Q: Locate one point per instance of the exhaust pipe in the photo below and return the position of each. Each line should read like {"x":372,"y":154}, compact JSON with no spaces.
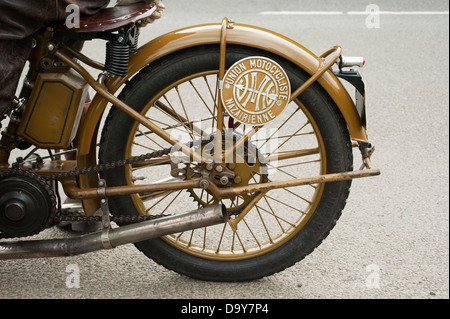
{"x":111,"y":238}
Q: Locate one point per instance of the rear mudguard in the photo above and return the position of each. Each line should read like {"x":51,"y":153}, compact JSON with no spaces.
{"x":240,"y":34}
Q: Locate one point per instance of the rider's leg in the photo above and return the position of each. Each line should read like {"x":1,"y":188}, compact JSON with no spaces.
{"x":14,"y":54}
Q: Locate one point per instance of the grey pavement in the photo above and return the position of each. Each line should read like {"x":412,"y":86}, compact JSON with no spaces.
{"x":392,"y":240}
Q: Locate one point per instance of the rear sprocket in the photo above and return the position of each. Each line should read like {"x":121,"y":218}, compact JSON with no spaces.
{"x":246,"y":165}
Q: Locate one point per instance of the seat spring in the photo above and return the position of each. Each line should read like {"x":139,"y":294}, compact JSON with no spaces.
{"x":134,"y":46}
{"x":117,"y":56}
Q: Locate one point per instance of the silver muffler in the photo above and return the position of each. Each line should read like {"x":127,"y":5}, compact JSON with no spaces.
{"x":111,"y":238}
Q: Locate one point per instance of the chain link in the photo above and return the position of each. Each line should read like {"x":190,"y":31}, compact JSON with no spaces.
{"x":102,"y":167}
{"x":122,"y":220}
{"x":58,"y":217}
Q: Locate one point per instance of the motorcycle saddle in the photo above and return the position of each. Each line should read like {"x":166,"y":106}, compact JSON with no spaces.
{"x":107,"y":19}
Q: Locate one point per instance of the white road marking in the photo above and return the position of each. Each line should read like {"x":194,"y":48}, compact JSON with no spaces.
{"x":397,"y":12}
{"x":301,"y":12}
{"x":354,"y":12}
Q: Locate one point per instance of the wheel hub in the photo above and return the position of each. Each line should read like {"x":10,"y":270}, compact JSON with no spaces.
{"x":243,"y":168}
{"x":15,"y":210}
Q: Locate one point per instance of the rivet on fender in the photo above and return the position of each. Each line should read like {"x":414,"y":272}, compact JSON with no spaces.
{"x":255,"y":90}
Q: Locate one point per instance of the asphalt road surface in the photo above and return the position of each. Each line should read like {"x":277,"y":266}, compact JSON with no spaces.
{"x":392,"y":240}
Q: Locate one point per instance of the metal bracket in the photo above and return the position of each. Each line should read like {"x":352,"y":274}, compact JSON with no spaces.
{"x":366,"y":151}
{"x":106,"y":222}
{"x":355,"y":79}
{"x":220,"y":108}
{"x":332,"y":54}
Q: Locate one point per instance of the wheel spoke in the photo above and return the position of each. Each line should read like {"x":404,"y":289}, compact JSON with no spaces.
{"x":283,"y":203}
{"x":291,"y":154}
{"x":290,"y":150}
{"x":291,"y":136}
{"x":152,"y":162}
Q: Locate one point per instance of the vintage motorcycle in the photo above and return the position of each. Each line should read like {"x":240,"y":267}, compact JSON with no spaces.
{"x":227,"y":155}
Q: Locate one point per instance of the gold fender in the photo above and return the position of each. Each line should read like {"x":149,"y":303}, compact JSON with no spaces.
{"x":240,"y":34}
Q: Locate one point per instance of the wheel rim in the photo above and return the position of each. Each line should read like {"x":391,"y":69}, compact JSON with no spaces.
{"x":276,"y":218}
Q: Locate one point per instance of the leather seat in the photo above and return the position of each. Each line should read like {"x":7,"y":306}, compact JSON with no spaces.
{"x":109,"y":19}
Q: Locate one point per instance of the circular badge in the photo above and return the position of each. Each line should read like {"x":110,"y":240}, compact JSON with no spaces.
{"x":255,"y":90}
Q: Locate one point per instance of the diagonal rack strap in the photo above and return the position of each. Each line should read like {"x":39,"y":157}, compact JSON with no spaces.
{"x":334,"y":53}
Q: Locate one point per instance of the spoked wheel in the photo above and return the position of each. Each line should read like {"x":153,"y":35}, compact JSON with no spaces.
{"x":309,"y":138}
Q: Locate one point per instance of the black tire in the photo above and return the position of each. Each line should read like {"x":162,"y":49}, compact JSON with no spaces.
{"x":328,"y":122}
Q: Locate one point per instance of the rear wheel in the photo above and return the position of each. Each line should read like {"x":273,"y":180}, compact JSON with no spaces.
{"x":309,"y":138}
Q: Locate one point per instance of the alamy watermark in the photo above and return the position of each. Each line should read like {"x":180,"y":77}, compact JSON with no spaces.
{"x":73,"y":19}
{"x":73,"y":279}
{"x":373,"y":279}
{"x":373,"y":16}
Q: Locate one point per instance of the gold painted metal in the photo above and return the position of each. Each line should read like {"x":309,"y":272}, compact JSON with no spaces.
{"x":229,"y":152}
{"x":51,"y":118}
{"x":264,"y":187}
{"x":52,"y":167}
{"x":100,"y":89}
{"x":74,"y":191}
{"x":240,"y":34}
{"x":366,"y":162}
{"x":267,"y":244}
{"x":7,"y":140}
{"x":178,"y":116}
{"x":220,"y":193}
{"x":235,"y":221}
{"x":77,"y":54}
{"x":250,"y":107}
{"x":291,"y":154}
{"x":219,"y":123}
{"x":85,"y":187}
{"x":321,"y":69}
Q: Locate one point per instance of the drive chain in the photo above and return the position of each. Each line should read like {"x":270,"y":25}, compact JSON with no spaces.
{"x":123,"y":219}
{"x":102,"y":167}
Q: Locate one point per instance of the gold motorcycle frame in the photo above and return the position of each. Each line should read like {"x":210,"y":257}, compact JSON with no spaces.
{"x":85,"y":187}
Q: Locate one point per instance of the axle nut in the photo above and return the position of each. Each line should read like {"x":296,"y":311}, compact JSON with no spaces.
{"x":209,"y":165}
{"x":204,"y":183}
{"x":224,"y":180}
